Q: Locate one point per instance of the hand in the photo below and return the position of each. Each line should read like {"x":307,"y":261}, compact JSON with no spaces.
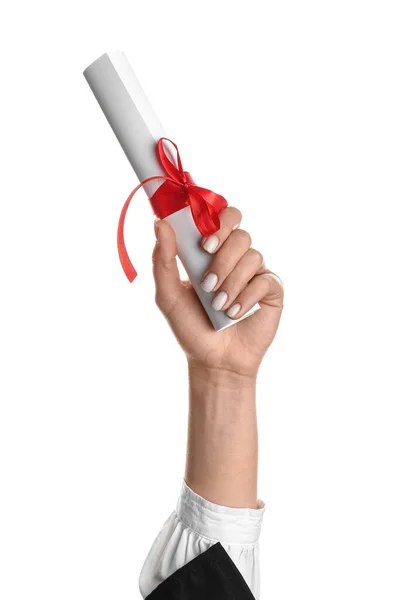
{"x":238,"y":279}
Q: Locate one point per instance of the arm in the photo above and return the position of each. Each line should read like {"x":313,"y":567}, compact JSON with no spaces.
{"x":218,"y":500}
{"x":222,"y":448}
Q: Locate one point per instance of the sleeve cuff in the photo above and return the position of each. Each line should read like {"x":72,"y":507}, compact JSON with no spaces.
{"x":195,"y":527}
{"x":220,"y":523}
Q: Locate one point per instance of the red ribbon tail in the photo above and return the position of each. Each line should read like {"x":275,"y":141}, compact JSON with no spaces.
{"x":126,"y":263}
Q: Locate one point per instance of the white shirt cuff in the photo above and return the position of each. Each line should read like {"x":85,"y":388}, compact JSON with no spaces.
{"x":219,"y":523}
{"x":195,"y":526}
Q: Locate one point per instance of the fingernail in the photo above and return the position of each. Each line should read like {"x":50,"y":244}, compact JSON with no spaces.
{"x":219,"y":300}
{"x":156,"y":229}
{"x":210,"y":244}
{"x":233,"y":311}
{"x":235,"y":227}
{"x":209,"y":282}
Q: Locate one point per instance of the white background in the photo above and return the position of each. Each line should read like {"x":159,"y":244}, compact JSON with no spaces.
{"x":289,"y":109}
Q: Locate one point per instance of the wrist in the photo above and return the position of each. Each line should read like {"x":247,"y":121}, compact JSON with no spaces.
{"x":220,"y":378}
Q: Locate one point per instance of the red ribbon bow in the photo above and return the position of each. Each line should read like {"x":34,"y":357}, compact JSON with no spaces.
{"x":177,"y":191}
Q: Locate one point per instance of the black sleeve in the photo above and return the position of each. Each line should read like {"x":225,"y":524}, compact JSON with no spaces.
{"x":210,"y":576}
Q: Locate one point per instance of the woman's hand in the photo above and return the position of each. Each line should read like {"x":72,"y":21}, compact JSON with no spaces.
{"x":238,"y":279}
{"x":222,"y":449}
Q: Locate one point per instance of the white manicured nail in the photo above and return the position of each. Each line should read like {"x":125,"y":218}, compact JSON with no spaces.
{"x":219,"y":300}
{"x":233,"y":311}
{"x":235,"y":227}
{"x":209,"y":282}
{"x":210,"y":244}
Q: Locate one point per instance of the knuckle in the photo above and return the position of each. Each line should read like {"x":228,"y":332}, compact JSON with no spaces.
{"x":230,"y":216}
{"x":266,"y":282}
{"x":256,"y":256}
{"x":277,"y":279}
{"x":164,"y":303}
{"x":280,"y":282}
{"x":236,"y":213}
{"x":242,"y":236}
{"x":159,"y":300}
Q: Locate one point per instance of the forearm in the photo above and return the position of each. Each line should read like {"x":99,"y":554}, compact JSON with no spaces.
{"x":219,"y":502}
{"x":222,"y":446}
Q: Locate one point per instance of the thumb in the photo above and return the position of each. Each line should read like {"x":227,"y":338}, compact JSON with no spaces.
{"x":165,"y":268}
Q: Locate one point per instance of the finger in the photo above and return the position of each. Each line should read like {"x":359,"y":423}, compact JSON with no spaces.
{"x":266,"y":289}
{"x":236,"y":281}
{"x":229,"y":219}
{"x":226,"y":259}
{"x":165,"y":268}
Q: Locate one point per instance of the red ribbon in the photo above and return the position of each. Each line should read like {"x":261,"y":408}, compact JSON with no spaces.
{"x":177,"y":191}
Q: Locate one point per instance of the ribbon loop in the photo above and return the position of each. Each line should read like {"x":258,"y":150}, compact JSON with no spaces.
{"x":177,"y":192}
{"x":175,"y":173}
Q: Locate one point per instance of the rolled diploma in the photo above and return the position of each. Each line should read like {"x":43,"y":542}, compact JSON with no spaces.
{"x":131,"y":117}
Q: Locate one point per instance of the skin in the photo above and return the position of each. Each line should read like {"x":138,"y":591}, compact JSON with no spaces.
{"x":222,"y":448}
